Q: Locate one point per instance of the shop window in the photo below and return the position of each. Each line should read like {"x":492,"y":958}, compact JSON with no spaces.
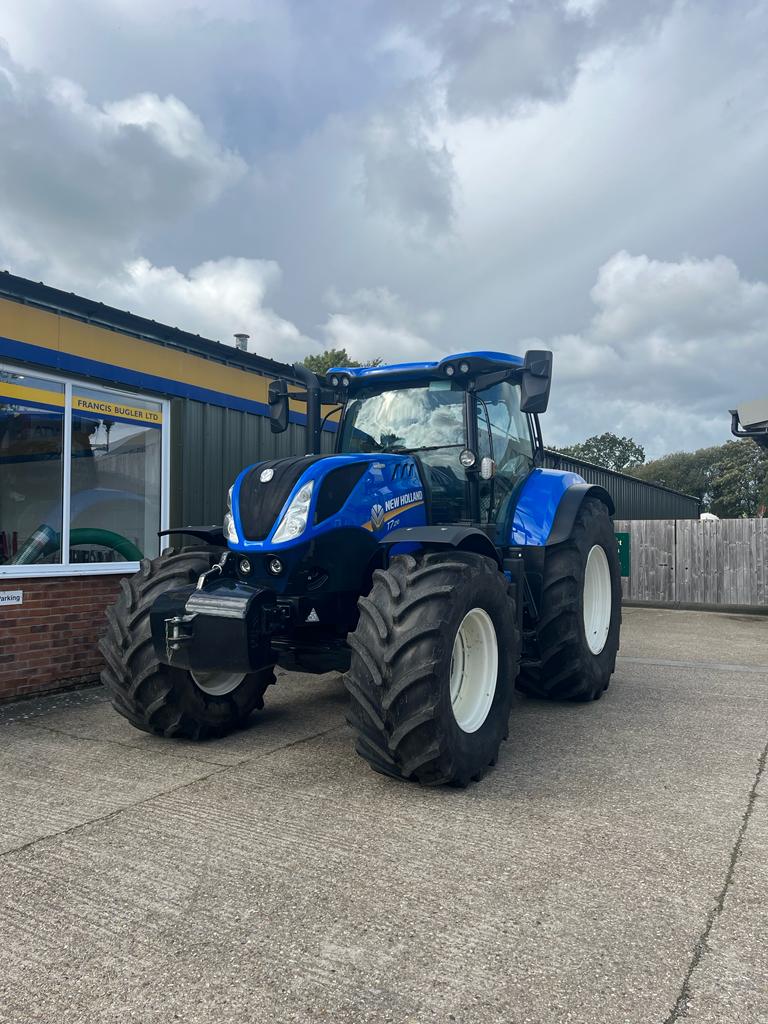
{"x":31,"y":468}
{"x":81,"y":462}
{"x":115,"y":478}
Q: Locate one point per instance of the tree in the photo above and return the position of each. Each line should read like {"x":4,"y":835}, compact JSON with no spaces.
{"x":688,"y":472}
{"x":322,"y":363}
{"x":740,"y":480}
{"x":618,"y":453}
{"x":730,"y":479}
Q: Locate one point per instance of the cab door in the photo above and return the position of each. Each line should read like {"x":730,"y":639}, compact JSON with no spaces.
{"x":503,"y":435}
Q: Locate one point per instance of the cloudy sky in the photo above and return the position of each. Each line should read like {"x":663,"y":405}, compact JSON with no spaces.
{"x":412,"y":178}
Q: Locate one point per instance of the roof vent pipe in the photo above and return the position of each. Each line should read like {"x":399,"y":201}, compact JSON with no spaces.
{"x":241,"y":342}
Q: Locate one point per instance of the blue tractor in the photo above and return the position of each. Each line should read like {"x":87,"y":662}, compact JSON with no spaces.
{"x":430,"y":558}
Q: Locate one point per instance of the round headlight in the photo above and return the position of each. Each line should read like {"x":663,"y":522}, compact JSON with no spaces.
{"x":245,"y":567}
{"x":449,"y":371}
{"x":334,"y":381}
{"x":467,"y":458}
{"x":464,"y":367}
{"x":275,"y":566}
{"x":345,"y":382}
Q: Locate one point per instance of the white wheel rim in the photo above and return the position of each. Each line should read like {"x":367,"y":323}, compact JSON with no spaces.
{"x":597,"y":599}
{"x":218,"y":684}
{"x":474,"y":668}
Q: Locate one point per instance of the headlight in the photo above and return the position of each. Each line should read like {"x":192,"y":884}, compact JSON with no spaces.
{"x":294,"y":522}
{"x":229,"y":521}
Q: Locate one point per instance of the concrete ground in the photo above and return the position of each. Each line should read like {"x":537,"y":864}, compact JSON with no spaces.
{"x":612,"y":868}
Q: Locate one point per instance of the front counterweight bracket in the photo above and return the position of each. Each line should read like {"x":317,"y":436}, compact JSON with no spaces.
{"x":178,"y":632}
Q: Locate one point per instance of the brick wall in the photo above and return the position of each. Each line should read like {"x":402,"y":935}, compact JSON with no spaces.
{"x":50,"y":641}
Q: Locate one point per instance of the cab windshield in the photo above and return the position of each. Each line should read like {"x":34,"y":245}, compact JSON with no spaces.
{"x":429,"y":421}
{"x":408,"y":419}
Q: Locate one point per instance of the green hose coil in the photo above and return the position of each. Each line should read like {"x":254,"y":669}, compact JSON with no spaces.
{"x":44,"y":541}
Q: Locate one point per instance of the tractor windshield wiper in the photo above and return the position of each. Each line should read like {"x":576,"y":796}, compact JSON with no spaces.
{"x":422,"y":448}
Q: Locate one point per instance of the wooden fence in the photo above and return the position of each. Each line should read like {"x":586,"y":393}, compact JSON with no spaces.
{"x":693,"y":561}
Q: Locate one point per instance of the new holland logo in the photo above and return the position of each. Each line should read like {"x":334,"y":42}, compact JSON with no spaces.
{"x":377,"y":517}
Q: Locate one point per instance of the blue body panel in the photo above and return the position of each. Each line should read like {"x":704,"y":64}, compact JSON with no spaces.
{"x":538,"y":504}
{"x":377,"y":503}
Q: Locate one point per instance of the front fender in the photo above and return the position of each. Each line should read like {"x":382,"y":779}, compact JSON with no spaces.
{"x":463,"y":538}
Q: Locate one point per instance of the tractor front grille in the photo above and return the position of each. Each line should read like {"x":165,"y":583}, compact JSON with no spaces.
{"x":260,"y":503}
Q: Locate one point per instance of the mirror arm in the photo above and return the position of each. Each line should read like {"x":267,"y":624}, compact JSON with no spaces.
{"x":312,"y":383}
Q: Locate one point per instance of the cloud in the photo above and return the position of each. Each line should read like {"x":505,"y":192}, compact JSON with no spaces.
{"x":408,"y":176}
{"x":479,"y":158}
{"x":216,"y":299}
{"x":494,"y":59}
{"x":373,"y":323}
{"x":692,"y":300}
{"x":221,"y":297}
{"x":671,"y":347}
{"x":479,"y":59}
{"x":81,"y":184}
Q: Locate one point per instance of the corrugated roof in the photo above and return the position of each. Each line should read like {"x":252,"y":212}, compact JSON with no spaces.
{"x":53,"y":300}
{"x":634,"y":498}
{"x":555,"y":455}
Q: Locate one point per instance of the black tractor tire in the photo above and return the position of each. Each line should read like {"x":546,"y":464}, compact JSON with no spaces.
{"x":399,"y":677}
{"x":151,"y":695}
{"x":558,"y":664}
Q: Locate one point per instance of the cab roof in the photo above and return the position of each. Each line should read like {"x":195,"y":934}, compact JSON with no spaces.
{"x":456,"y":367}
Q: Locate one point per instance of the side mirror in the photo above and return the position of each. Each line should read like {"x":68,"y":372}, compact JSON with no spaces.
{"x":536,"y":381}
{"x":278,"y":406}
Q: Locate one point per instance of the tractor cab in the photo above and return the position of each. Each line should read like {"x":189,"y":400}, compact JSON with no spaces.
{"x":470,"y":446}
{"x":470,"y":422}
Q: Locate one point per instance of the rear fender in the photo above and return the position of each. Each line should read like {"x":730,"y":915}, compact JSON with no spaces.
{"x":548,"y":505}
{"x":569,"y":506}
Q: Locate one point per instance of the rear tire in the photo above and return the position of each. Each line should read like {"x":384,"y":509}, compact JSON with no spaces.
{"x":153,"y":696}
{"x":577,"y":636}
{"x":434,"y":660}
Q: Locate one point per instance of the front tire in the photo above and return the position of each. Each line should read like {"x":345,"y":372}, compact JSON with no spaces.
{"x":432,"y":673}
{"x":573,"y":653}
{"x":153,"y":696}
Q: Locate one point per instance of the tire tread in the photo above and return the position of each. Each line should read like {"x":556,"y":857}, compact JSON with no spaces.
{"x":392,"y":680}
{"x":560,"y":667}
{"x":142,"y":689}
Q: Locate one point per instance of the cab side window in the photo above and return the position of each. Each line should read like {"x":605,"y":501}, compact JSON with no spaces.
{"x":509,"y":432}
{"x":504,"y":436}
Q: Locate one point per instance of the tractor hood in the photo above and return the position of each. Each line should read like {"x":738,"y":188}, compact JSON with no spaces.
{"x":281,"y":504}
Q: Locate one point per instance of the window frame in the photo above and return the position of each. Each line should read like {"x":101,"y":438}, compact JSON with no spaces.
{"x":65,"y":567}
